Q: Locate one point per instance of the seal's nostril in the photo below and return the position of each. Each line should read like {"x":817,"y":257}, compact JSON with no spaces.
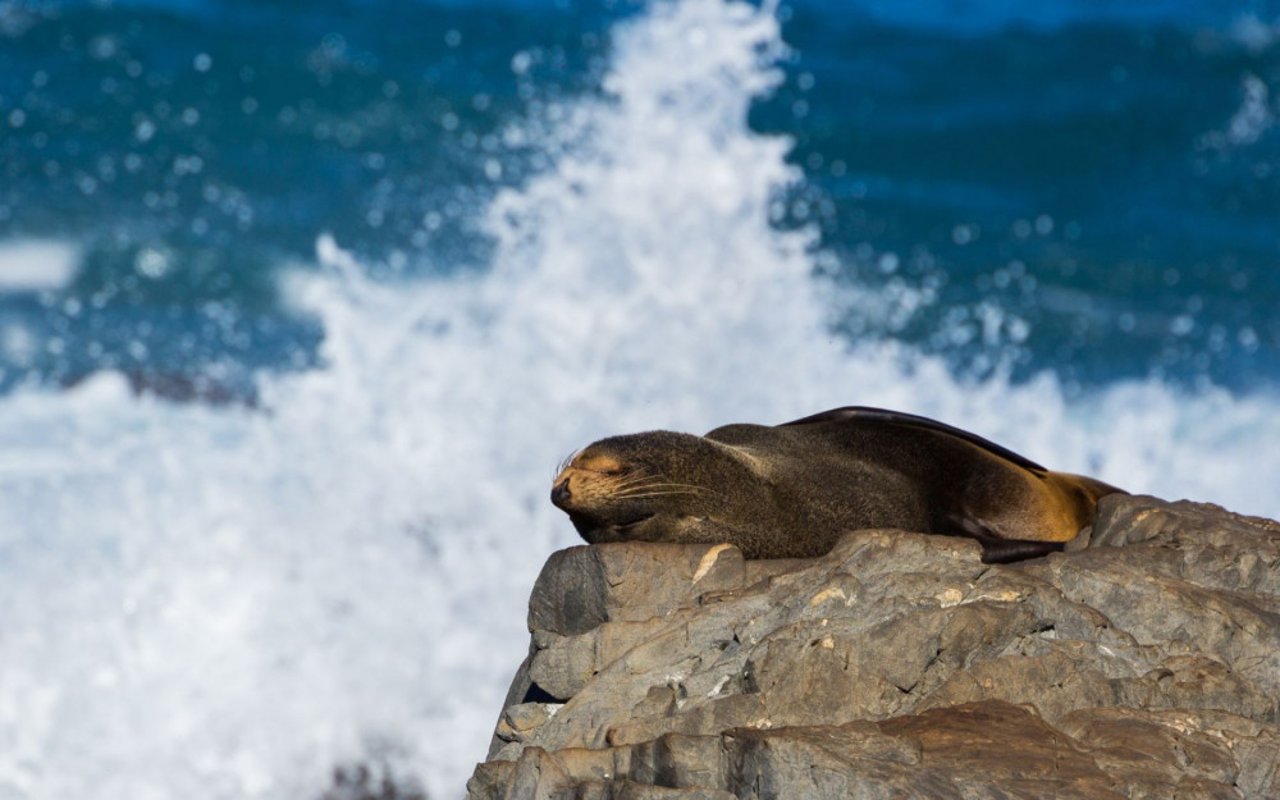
{"x":560,"y":492}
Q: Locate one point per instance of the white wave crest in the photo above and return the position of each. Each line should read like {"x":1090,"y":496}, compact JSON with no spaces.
{"x":33,"y":265}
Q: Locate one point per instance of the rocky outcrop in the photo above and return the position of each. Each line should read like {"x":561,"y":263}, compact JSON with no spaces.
{"x":899,"y":665}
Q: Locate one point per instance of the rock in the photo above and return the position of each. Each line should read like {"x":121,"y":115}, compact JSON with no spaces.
{"x":1144,"y":662}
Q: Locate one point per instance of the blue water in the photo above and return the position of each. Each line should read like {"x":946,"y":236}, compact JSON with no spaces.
{"x":299,"y":308}
{"x":1074,"y":165}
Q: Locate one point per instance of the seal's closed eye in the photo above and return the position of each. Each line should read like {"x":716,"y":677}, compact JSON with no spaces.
{"x":603,"y":464}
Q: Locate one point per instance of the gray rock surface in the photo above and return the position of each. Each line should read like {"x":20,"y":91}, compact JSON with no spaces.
{"x":1144,"y":662}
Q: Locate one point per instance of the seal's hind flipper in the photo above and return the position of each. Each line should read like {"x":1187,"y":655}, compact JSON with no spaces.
{"x":1004,"y":551}
{"x":971,"y":486}
{"x":864,"y":415}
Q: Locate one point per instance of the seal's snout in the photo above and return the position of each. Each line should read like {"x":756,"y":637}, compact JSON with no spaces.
{"x":588,"y":483}
{"x":560,"y":493}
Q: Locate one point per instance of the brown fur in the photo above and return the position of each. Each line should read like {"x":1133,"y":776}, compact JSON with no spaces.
{"x":791,"y":490}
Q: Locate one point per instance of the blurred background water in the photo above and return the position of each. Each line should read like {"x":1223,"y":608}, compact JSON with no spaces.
{"x":299,"y":307}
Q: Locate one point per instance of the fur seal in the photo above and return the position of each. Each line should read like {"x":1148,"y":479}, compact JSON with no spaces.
{"x":791,"y":490}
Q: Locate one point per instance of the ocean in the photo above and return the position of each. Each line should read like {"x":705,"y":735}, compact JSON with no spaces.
{"x":301,"y":306}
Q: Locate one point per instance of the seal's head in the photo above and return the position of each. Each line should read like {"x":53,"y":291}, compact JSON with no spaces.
{"x":623,"y":487}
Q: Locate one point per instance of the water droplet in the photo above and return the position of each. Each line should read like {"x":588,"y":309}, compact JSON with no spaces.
{"x":151,"y":263}
{"x":144,"y":130}
{"x":102,"y":47}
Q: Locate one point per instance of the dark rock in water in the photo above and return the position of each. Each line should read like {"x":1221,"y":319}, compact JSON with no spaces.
{"x":359,"y":782}
{"x":899,"y":665}
{"x":181,"y":388}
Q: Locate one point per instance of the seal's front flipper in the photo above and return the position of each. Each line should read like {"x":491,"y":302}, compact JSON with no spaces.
{"x":755,"y":541}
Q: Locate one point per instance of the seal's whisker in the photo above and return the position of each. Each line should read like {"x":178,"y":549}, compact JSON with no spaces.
{"x":638,"y":480}
{"x":617,"y":489}
{"x":647,"y":494}
{"x":565,"y":462}
{"x":647,"y":486}
{"x":658,"y":493}
{"x":688,"y":487}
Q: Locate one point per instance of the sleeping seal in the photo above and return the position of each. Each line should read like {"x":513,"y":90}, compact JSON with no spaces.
{"x":790,"y":491}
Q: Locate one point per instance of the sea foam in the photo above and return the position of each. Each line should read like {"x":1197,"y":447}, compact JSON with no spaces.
{"x":33,"y":265}
{"x":225,"y":602}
